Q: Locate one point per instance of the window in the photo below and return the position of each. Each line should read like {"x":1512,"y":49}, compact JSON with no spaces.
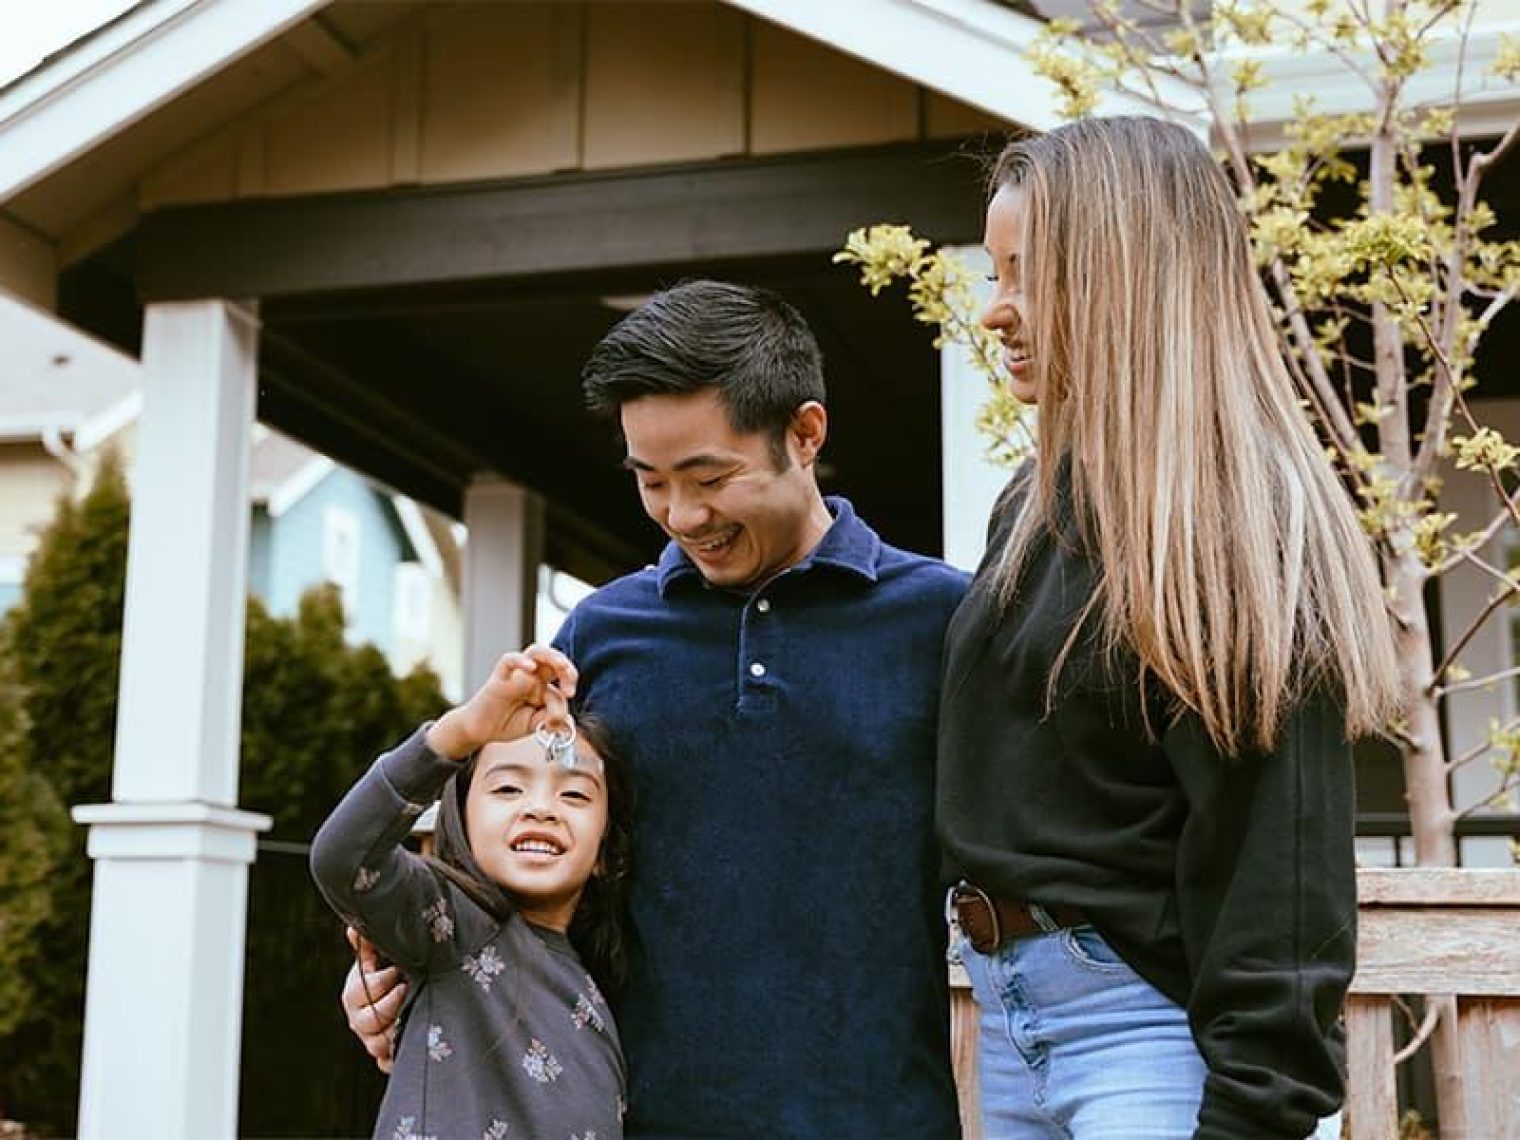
{"x":340,"y":554}
{"x":411,"y":603}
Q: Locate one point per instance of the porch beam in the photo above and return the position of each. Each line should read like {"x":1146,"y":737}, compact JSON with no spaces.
{"x":556,"y":225}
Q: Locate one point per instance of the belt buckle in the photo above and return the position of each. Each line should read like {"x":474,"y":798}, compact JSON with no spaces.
{"x":966,"y":891}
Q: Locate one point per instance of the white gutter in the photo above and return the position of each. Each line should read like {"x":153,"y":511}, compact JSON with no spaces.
{"x":53,"y":443}
{"x":129,"y":68}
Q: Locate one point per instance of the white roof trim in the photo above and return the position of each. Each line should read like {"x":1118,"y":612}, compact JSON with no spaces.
{"x":26,"y":426}
{"x":96,"y":429}
{"x":130,"y":67}
{"x":970,"y":50}
{"x":418,"y":534}
{"x":299,"y":485}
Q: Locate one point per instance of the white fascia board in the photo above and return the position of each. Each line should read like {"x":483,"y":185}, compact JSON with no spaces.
{"x":100,"y":427}
{"x":299,"y":485}
{"x":1489,"y":105}
{"x":123,"y":72}
{"x":21,"y":427}
{"x":970,"y":50}
{"x":418,"y":535}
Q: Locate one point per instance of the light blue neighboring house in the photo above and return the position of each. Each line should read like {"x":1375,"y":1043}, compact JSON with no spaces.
{"x":315,"y":521}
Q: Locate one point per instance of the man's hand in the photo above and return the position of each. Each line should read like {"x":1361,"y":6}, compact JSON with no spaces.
{"x":521,"y":688}
{"x":372,"y":1000}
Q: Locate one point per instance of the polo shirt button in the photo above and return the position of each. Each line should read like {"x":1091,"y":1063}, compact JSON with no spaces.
{"x":763,"y":605}
{"x":757,"y":670}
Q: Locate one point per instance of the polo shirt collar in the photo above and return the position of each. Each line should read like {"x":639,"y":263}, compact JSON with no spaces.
{"x":849,"y":545}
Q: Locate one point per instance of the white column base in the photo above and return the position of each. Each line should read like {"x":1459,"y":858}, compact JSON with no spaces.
{"x":171,"y":884}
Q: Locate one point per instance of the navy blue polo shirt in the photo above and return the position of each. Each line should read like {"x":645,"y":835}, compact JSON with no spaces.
{"x":789,"y":980}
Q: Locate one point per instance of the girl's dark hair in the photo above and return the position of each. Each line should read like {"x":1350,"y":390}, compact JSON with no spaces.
{"x":599,"y":927}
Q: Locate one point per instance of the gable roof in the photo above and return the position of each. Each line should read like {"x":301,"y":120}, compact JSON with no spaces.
{"x":106,"y":81}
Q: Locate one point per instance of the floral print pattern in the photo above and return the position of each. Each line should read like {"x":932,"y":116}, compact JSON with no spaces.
{"x":439,"y":922}
{"x":406,"y":1129}
{"x":485,"y":967}
{"x":585,"y":1014}
{"x":540,"y":1064}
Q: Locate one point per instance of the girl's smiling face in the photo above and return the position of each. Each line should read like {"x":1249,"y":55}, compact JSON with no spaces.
{"x":1007,"y":312}
{"x":536,"y":827}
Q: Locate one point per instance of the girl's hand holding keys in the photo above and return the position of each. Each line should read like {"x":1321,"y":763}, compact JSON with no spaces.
{"x":506,"y":707}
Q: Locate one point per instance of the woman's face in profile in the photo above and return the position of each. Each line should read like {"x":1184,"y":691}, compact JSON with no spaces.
{"x":1007,"y":312}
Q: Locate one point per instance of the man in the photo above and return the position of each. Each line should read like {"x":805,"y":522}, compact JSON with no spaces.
{"x":774,"y":680}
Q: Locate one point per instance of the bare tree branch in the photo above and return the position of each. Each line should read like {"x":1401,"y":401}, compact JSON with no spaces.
{"x":1427,"y":1027}
{"x":1510,"y":782}
{"x":1478,"y":682}
{"x":1481,"y":539}
{"x":1504,"y":595}
{"x":1481,"y":750}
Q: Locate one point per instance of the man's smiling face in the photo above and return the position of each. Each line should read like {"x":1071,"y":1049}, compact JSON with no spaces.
{"x":726,"y":497}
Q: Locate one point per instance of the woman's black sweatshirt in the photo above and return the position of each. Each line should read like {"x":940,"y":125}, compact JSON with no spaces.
{"x":1227,"y":882}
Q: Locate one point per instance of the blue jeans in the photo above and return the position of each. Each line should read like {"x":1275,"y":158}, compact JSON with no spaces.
{"x":1074,"y":1044}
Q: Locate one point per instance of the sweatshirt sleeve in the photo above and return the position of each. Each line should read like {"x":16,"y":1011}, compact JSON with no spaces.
{"x":374,"y":883}
{"x":1266,"y":890}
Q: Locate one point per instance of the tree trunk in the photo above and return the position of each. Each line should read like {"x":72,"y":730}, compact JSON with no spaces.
{"x":1426,"y":786}
{"x":1431,"y":814}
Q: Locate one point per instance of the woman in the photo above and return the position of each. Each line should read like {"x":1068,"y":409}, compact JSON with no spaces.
{"x":1145,"y":777}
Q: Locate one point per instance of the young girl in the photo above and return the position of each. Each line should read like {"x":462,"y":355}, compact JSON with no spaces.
{"x":506,"y":1035}
{"x":1145,"y":772}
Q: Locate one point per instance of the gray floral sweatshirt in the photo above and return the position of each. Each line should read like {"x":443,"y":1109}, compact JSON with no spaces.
{"x":506,"y":1036}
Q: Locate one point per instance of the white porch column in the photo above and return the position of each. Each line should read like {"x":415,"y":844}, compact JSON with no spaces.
{"x":502,"y":556}
{"x":163,"y":1004}
{"x":969,"y":481}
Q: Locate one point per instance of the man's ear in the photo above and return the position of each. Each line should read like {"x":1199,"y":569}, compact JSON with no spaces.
{"x":807,"y":431}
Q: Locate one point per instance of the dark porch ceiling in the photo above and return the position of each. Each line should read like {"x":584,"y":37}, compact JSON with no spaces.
{"x":424,"y":396}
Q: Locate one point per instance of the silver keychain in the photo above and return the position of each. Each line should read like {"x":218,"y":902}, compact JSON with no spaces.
{"x":558,"y":745}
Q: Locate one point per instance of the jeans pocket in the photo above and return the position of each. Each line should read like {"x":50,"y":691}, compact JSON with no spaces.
{"x":975,"y":964}
{"x":1089,"y":949}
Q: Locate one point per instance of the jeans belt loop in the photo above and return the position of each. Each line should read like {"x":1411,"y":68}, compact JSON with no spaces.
{"x":1042,"y":917}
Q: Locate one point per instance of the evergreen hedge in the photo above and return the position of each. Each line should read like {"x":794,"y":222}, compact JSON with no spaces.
{"x":315,"y":711}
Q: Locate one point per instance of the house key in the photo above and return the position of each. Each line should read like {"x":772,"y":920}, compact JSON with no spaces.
{"x":558,"y":744}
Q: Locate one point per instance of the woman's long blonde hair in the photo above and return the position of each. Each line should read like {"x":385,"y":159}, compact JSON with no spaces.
{"x":1232,"y":563}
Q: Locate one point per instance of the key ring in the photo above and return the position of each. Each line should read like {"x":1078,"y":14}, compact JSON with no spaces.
{"x":559,"y":744}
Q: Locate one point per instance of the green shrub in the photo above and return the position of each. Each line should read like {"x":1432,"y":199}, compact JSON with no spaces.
{"x":315,"y":712}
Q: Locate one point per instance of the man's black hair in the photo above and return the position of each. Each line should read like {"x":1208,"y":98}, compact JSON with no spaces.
{"x":747,"y":343}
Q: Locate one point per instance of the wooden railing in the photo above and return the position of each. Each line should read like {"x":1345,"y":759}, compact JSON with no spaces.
{"x":1447,"y":932}
{"x":1438,"y":932}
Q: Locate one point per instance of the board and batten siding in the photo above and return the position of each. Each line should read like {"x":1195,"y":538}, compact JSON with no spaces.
{"x":480,"y":92}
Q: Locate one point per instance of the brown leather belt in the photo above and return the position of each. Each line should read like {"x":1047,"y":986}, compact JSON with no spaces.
{"x":987,"y":920}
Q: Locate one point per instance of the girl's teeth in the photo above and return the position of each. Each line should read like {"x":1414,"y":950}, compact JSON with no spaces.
{"x":537,"y":847}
